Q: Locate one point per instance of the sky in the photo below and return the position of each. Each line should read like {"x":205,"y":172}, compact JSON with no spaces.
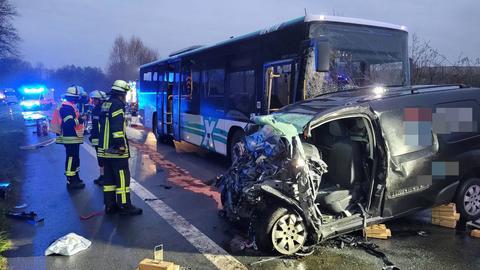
{"x":81,"y":32}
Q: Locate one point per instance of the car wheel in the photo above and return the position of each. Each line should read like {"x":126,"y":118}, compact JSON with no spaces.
{"x":281,"y":230}
{"x":468,"y":199}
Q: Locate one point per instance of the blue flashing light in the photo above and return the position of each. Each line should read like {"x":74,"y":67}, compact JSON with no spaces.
{"x":31,"y":90}
{"x":30,"y":103}
{"x":34,"y":90}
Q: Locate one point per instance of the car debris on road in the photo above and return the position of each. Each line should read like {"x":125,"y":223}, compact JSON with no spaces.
{"x":30,"y":217}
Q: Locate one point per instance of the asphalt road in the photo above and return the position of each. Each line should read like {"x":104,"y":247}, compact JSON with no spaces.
{"x":181,"y":212}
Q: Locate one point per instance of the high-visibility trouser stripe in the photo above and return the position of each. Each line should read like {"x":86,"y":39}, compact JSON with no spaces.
{"x":69,"y":140}
{"x":66,"y":118}
{"x":69,"y":171}
{"x":105,"y":134}
{"x":111,"y":156}
{"x":122,"y":190}
{"x":117,"y":112}
{"x":109,"y":188}
{"x":118,"y":134}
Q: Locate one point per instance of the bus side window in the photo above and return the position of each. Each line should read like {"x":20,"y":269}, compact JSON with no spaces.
{"x":213,"y":103}
{"x":215,"y":83}
{"x":241,"y":92}
{"x":191,"y":92}
{"x":187,"y":84}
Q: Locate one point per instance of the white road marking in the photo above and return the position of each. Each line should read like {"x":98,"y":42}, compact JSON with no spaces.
{"x":206,"y":246}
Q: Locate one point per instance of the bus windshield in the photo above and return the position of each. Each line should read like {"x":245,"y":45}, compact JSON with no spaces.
{"x":359,"y":56}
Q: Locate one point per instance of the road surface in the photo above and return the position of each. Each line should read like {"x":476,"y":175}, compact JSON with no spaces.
{"x":171,"y":184}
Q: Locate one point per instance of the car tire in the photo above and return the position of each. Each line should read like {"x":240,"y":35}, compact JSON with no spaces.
{"x":468,"y":199}
{"x":237,"y":136}
{"x":280,"y":230}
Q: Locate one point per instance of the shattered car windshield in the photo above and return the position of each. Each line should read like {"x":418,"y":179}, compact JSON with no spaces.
{"x":359,"y":56}
{"x":298,"y":120}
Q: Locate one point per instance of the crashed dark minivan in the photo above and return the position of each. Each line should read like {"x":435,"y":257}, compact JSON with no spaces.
{"x":341,"y":161}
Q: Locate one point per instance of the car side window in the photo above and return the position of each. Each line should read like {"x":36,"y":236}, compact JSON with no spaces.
{"x":408,"y":129}
{"x":453,"y":121}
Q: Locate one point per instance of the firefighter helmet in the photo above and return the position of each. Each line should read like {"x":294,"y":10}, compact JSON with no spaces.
{"x":74,"y":91}
{"x":121,"y":86}
{"x":98,"y":94}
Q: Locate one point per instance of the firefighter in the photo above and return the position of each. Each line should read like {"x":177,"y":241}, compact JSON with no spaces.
{"x":98,"y":97}
{"x":70,"y":134}
{"x":113,"y":148}
{"x":83,"y":107}
{"x":82,"y":103}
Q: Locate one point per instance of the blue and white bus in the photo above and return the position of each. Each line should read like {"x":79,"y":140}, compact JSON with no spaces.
{"x":206,"y":95}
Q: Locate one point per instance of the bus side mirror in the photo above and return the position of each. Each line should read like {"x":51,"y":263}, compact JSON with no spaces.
{"x":322,"y":54}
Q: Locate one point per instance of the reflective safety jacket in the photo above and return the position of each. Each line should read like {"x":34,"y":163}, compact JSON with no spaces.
{"x":95,"y":125}
{"x":113,"y":141}
{"x":71,"y":131}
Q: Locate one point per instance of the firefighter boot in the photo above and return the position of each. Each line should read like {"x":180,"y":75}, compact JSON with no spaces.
{"x":99,"y":181}
{"x":129,"y":210}
{"x":74,"y":183}
{"x":78,"y":178}
{"x":111,"y":209}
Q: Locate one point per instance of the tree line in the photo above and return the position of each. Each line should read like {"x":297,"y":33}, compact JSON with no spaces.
{"x":126,"y":56}
{"x":429,"y":66}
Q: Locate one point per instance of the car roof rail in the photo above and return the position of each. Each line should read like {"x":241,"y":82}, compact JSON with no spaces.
{"x":438,"y":87}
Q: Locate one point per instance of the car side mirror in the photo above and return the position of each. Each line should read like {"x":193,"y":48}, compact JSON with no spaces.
{"x":322,"y":54}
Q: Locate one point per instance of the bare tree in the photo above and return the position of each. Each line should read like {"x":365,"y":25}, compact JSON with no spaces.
{"x":8,"y":34}
{"x":429,"y":66}
{"x":126,"y":56}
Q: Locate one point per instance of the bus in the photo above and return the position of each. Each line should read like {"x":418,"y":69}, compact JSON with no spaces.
{"x":206,"y":95}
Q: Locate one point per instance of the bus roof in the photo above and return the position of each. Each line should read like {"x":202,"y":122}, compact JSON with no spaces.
{"x":306,"y":19}
{"x":320,"y":18}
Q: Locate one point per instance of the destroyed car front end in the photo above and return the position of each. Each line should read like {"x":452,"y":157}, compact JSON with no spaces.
{"x":335,"y":164}
{"x":275,"y":174}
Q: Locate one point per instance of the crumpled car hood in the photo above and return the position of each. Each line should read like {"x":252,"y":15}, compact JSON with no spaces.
{"x":272,"y":163}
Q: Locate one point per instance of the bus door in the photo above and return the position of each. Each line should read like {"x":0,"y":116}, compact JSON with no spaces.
{"x":168,"y":102}
{"x":278,"y":77}
{"x":159,"y":104}
{"x":172,"y":108}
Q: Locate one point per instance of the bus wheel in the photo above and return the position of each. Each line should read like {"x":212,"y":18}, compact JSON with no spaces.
{"x":236,"y":137}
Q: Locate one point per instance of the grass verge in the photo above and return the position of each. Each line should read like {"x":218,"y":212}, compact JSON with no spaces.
{"x":12,"y":130}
